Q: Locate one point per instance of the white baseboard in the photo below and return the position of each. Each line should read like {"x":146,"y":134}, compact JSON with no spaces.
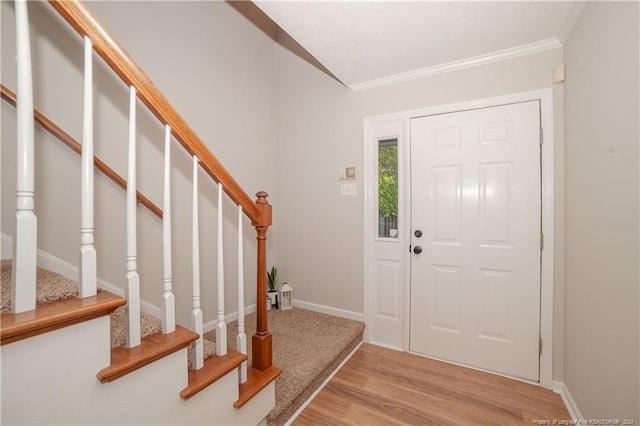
{"x":385,"y":345}
{"x":337,"y":312}
{"x":144,"y":306}
{"x":562,"y":389}
{"x":48,"y":261}
{"x":211,"y":325}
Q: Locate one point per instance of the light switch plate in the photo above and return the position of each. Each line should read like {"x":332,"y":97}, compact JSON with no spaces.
{"x":348,"y":189}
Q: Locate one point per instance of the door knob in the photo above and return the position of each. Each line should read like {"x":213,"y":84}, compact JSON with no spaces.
{"x":417,"y":249}
{"x":417,"y":233}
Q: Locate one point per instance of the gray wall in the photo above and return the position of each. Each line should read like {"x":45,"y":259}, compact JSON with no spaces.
{"x":601,"y":301}
{"x":216,"y":68}
{"x":320,"y":130}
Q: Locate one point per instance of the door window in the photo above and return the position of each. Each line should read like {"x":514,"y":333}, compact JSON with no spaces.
{"x":388,"y":188}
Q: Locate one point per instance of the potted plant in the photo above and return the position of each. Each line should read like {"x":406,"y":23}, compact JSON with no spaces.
{"x":272,"y":282}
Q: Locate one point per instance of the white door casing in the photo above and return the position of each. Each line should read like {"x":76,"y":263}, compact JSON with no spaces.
{"x":377,"y":128}
{"x":389,"y":286}
{"x":475,"y":285}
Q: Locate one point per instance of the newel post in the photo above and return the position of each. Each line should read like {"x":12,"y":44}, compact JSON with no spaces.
{"x":261,"y":341}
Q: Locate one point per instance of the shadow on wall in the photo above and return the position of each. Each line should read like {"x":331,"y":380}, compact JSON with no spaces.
{"x":261,"y":20}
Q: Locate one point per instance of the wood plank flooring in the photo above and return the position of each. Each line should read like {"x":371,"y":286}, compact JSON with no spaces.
{"x":379,"y":386}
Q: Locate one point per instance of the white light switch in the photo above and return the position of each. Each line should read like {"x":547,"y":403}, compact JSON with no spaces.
{"x":348,"y":189}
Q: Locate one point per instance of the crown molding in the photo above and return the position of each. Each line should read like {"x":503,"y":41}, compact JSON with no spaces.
{"x":500,"y":55}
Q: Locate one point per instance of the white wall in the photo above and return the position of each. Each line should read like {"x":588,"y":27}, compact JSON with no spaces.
{"x":601,"y":303}
{"x":216,"y":68}
{"x":320,"y":130}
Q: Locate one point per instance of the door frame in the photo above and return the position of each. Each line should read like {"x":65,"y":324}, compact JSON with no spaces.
{"x":377,"y":128}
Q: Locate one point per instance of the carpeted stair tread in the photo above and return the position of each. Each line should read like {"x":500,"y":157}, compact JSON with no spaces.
{"x":148,"y":325}
{"x":307,"y":346}
{"x":209,"y":350}
{"x":50,"y":286}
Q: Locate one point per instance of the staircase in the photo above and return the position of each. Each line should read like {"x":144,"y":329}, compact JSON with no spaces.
{"x":88,"y":356}
{"x":307,"y":345}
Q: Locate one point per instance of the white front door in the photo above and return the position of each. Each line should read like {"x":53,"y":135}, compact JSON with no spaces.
{"x":475,"y":269}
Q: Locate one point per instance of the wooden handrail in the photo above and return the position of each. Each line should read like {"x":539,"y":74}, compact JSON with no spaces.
{"x":64,"y":137}
{"x":87,"y":24}
{"x":78,"y":15}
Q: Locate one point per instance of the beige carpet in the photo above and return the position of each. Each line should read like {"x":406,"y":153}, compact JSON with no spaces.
{"x":148,"y":325}
{"x":51,"y":286}
{"x":307,"y":346}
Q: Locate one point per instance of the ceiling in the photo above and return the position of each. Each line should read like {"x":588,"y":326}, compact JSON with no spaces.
{"x":367,"y":44}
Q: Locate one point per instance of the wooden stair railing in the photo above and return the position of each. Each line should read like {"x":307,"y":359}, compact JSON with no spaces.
{"x":78,"y":15}
{"x":10,"y":97}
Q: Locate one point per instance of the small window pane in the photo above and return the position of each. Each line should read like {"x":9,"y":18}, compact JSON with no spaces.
{"x":388,"y":188}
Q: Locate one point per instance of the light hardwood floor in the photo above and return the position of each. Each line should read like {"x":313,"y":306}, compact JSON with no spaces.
{"x":379,"y":386}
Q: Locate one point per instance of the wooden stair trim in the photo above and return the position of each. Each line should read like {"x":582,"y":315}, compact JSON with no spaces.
{"x":56,"y":315}
{"x":256,"y":381}
{"x":76,"y":147}
{"x":152,"y":348}
{"x":80,"y":17}
{"x":214,"y":368}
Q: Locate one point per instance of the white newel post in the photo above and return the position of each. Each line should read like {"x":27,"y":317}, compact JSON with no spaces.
{"x":168,"y":300}
{"x":132,"y":290}
{"x":197,"y":353}
{"x":88,"y":256}
{"x":221,"y":326}
{"x":26,"y":241}
{"x":241,"y":339}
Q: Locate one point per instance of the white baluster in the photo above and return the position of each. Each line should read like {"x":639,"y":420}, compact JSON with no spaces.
{"x":241,"y":339}
{"x":221,"y":326}
{"x":132,"y":290}
{"x":168,"y":300}
{"x":88,"y":256}
{"x":197,"y":353}
{"x":26,"y":241}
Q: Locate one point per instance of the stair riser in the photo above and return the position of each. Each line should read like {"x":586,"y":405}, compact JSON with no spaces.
{"x":56,"y":372}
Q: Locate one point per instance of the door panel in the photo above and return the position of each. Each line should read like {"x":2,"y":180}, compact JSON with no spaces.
{"x":475,"y":287}
{"x":448,"y":204}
